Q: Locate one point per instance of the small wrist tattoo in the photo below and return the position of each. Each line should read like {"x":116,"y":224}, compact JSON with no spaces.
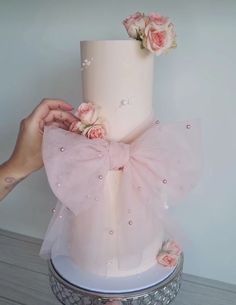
{"x":11,"y":182}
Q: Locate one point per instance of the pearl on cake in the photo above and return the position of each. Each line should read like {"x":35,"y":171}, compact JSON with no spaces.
{"x":164,"y":181}
{"x":130,"y":222}
{"x":53,"y":210}
{"x":188,"y":126}
{"x":111,"y":232}
{"x":124,"y":102}
{"x":62,"y":149}
{"x":100,"y":177}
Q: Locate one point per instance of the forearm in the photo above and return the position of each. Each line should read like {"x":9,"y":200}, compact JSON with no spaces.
{"x":10,"y":176}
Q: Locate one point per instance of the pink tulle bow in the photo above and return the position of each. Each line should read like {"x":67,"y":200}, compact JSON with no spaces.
{"x":163,"y":163}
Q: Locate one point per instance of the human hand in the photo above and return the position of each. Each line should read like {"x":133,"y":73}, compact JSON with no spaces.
{"x":26,"y":157}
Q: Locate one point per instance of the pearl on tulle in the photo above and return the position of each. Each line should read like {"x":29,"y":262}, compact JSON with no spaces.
{"x":130,"y":222}
{"x":60,"y":216}
{"x":100,"y":177}
{"x":188,"y":126}
{"x":58,"y":184}
{"x":164,"y":181}
{"x":100,"y":155}
{"x":166,"y":206}
{"x":53,"y":210}
{"x":62,"y":149}
{"x":111,"y":232}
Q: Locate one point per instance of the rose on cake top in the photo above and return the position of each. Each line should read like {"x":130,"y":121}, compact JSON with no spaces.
{"x":155,"y":32}
{"x":89,"y":123}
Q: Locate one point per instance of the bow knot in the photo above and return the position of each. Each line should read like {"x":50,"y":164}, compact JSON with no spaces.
{"x":118,"y":154}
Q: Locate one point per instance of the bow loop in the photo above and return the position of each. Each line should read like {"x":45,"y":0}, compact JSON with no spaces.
{"x":118,"y":154}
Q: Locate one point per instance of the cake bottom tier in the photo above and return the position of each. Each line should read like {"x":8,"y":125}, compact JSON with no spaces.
{"x":147,"y":289}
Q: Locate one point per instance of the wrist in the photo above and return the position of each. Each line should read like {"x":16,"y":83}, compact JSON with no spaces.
{"x":15,"y":169}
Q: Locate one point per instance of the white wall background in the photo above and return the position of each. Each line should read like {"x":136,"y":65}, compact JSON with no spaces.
{"x":39,"y":57}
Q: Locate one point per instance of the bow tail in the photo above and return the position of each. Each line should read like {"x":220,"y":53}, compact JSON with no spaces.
{"x":140,"y":229}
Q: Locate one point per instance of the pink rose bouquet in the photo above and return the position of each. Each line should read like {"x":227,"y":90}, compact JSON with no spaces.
{"x":89,"y":123}
{"x":169,"y":254}
{"x":155,"y":32}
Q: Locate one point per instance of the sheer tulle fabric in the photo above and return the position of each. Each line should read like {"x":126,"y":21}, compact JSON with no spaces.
{"x":156,"y":169}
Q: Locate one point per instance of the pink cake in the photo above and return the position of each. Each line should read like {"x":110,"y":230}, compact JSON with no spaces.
{"x":117,"y":236}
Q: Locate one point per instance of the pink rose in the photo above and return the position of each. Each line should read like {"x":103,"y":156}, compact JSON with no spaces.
{"x":157,"y":18}
{"x":159,"y":37}
{"x":96,"y":131}
{"x":167,"y":259}
{"x":135,"y":25}
{"x":87,"y":113}
{"x":172,"y":247}
{"x":76,"y":126}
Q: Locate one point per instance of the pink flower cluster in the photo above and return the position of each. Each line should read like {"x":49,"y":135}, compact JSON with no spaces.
{"x":89,"y":123}
{"x":169,"y":254}
{"x":155,"y":32}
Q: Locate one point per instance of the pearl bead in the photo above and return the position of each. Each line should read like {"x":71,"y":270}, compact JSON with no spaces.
{"x":58,"y":184}
{"x":62,"y":149}
{"x":100,"y":155}
{"x":130,"y":222}
{"x":111,"y":232}
{"x":188,"y":126}
{"x":164,"y":181}
{"x":60,"y":216}
{"x":100,"y":177}
{"x":53,"y":210}
{"x":166,"y":206}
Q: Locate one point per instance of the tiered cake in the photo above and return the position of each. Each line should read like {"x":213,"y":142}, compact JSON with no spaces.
{"x":118,"y":78}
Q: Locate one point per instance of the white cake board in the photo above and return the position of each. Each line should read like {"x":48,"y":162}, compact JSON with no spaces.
{"x":74,"y":275}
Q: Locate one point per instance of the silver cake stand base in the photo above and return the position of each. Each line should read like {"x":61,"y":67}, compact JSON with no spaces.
{"x":159,"y":294}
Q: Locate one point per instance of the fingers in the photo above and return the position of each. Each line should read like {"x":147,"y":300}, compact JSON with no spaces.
{"x":62,"y":118}
{"x":59,"y":115}
{"x":46,"y":105}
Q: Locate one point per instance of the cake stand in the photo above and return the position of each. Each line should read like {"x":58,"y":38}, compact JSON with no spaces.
{"x":158,"y":285}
